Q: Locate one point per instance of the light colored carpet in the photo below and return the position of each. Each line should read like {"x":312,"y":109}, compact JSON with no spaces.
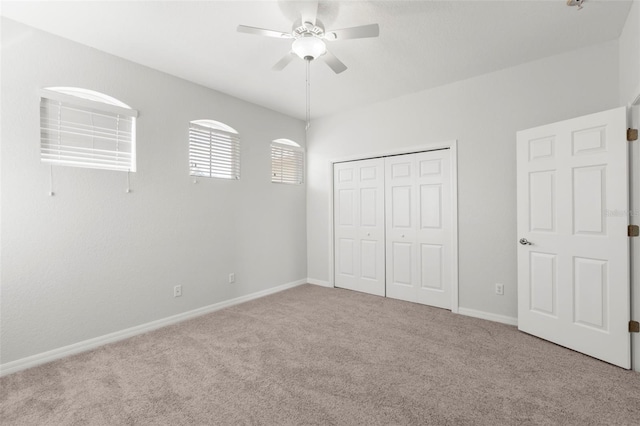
{"x":312,"y":355}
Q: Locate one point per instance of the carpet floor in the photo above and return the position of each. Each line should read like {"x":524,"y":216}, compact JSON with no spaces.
{"x":318,"y":356}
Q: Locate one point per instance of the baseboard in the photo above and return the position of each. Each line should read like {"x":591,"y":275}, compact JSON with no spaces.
{"x":319,"y":282}
{"x":45,"y":357}
{"x":488,"y":316}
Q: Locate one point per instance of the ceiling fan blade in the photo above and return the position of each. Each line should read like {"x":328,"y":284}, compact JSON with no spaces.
{"x":334,"y":63}
{"x":262,"y":32}
{"x":363,"y":31}
{"x":309,"y":11}
{"x":286,"y":59}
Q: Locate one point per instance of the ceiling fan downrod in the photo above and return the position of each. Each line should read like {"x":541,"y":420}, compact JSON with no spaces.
{"x":308,"y":93}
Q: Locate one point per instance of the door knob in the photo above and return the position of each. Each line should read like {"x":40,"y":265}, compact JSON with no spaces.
{"x":525,"y":242}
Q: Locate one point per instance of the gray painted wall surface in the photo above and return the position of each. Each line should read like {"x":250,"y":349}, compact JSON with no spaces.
{"x":630,"y":56}
{"x":94,"y":260}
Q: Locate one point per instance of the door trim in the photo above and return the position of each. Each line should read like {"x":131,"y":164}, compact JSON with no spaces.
{"x":633,"y":120}
{"x":453,"y":146}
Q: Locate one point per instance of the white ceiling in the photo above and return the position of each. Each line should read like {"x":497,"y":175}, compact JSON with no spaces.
{"x":422,"y":44}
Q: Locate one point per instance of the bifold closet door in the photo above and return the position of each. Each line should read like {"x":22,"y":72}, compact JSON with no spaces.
{"x":419,"y":228}
{"x":359,"y":225}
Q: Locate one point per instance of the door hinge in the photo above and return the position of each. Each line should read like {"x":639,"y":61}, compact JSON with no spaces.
{"x":633,"y":231}
{"x":634,"y":327}
{"x":632,"y":135}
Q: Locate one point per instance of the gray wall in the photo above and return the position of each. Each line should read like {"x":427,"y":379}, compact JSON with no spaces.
{"x":630,"y":56}
{"x":92,"y":259}
{"x":483,"y":114}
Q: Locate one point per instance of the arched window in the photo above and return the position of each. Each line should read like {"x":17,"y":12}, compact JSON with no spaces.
{"x":84,"y":128}
{"x":287,"y":162}
{"x":214,"y":150}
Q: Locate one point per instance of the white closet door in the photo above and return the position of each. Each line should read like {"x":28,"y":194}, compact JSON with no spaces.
{"x":401,"y":230}
{"x":419,"y":228}
{"x":359,"y":225}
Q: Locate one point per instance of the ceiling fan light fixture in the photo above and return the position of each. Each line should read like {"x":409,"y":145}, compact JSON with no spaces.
{"x":309,"y":47}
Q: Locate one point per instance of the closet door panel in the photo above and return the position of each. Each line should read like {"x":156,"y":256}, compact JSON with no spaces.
{"x":434,"y":231}
{"x":359,"y":226}
{"x":400,"y":196}
{"x":346,"y":225}
{"x":418,"y":240}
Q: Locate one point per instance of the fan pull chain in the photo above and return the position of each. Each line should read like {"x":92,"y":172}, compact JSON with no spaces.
{"x":51,"y":193}
{"x":308,"y":92}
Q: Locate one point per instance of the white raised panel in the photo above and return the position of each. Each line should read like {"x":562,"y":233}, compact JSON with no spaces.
{"x":542,"y":276}
{"x":368,"y":259}
{"x":430,"y":167}
{"x":346,"y":208}
{"x":401,"y":206}
{"x":401,"y":258}
{"x":590,"y":292}
{"x":589,"y":200}
{"x":541,"y":148}
{"x":345,"y":175}
{"x":368,"y":173}
{"x":346,"y":256}
{"x":589,"y":141}
{"x":368,"y":207}
{"x":431,"y":266}
{"x":542,"y":201}
{"x":431,"y":206}
{"x":400,"y":170}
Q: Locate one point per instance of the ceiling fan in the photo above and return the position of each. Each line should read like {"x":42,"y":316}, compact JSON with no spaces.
{"x":309,"y":37}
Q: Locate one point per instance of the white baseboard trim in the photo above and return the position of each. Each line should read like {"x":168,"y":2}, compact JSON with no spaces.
{"x":488,"y":316}
{"x":45,"y":357}
{"x":319,"y":282}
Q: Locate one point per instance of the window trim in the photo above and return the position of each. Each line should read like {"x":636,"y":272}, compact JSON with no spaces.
{"x":288,"y":145}
{"x":53,"y":95}
{"x":287,"y":142}
{"x":72,"y":97}
{"x":217,"y":129}
{"x":215,"y":125}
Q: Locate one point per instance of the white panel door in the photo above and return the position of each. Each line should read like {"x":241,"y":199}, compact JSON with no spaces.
{"x":419,"y":227}
{"x":573,"y":256}
{"x":359,"y":225}
{"x":401,"y":229}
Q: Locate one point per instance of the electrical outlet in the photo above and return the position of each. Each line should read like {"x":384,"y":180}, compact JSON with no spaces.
{"x":500,"y":289}
{"x":177,"y":291}
{"x":232,"y":278}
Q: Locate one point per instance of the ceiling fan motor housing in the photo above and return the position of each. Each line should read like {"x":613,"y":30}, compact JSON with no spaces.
{"x":309,"y":47}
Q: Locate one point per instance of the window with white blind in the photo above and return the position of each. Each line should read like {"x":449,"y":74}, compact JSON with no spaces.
{"x":287,"y":162}
{"x":214,"y":150}
{"x":83,"y":128}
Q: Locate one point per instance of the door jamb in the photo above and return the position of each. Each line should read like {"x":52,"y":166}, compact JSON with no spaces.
{"x":453,"y":146}
{"x":633,"y":120}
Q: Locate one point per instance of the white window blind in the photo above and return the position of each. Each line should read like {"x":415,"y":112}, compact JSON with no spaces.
{"x":213,"y":152}
{"x":86,"y":133}
{"x":287,"y":164}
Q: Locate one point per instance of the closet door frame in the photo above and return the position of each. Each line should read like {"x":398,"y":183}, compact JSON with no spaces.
{"x":453,"y":147}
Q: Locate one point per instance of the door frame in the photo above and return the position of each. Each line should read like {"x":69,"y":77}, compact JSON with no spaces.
{"x":633,"y":120}
{"x":452,"y":145}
